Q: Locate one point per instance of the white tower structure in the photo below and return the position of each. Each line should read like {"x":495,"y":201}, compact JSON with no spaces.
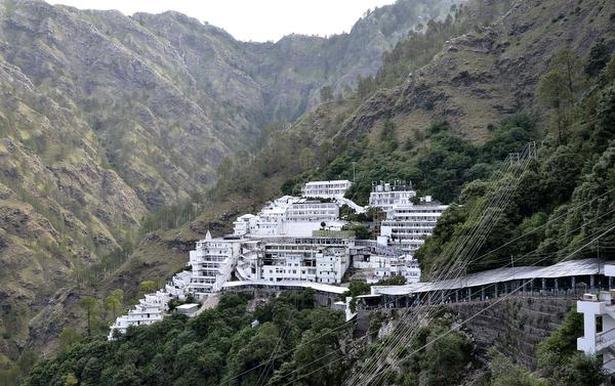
{"x":212,"y":264}
{"x":599,"y":323}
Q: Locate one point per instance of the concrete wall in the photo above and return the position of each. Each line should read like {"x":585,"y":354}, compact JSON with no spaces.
{"x":514,"y":325}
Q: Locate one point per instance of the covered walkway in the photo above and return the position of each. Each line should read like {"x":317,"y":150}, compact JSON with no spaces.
{"x":565,"y":279}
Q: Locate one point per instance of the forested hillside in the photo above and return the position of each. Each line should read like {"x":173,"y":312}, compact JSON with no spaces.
{"x":444,"y":111}
{"x":447,"y":105}
{"x":300,"y":344}
{"x":106,"y":119}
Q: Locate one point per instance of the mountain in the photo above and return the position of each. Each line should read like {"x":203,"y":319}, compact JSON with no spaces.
{"x":107,"y":119}
{"x":445,"y":109}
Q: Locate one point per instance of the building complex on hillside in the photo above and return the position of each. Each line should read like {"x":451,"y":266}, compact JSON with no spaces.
{"x":292,"y":241}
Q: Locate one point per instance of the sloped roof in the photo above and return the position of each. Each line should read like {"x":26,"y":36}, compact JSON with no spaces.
{"x":499,"y":275}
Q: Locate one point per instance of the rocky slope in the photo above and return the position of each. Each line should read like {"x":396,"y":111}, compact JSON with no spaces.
{"x":475,"y":80}
{"x":490,"y":72}
{"x":105,"y":118}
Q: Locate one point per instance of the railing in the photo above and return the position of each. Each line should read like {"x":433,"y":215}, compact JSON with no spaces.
{"x":605,"y":339}
{"x":436,"y":299}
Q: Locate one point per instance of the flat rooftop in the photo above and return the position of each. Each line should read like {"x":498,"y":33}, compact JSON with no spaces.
{"x":301,"y":284}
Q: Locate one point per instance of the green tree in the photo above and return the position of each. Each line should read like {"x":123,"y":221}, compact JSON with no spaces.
{"x":306,"y":158}
{"x":70,"y":380}
{"x":68,"y":337}
{"x":90,"y":305}
{"x":598,"y":58}
{"x":506,"y":373}
{"x":148,"y":286}
{"x":114,"y":302}
{"x":559,"y":90}
{"x":552,"y":94}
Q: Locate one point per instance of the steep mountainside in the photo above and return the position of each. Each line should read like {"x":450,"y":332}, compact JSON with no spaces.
{"x":538,"y":70}
{"x":466,"y":108}
{"x":123,"y":115}
{"x":106,"y":118}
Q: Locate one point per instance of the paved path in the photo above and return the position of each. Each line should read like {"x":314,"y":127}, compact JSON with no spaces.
{"x":210,"y":302}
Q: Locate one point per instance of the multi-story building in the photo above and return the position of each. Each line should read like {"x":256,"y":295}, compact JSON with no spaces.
{"x":408,"y":225}
{"x":289,"y":216}
{"x":304,"y":211}
{"x":599,"y":322}
{"x":314,"y":259}
{"x":176,"y":287}
{"x":382,"y":267}
{"x":212,"y":263}
{"x":141,"y":315}
{"x":326,"y":189}
{"x":386,"y":195}
{"x":245,"y":224}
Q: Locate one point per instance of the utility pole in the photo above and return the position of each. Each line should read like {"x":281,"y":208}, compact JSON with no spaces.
{"x":354,"y":171}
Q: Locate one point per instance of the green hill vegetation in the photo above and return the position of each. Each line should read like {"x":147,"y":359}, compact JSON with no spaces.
{"x":568,"y":192}
{"x":298,"y":343}
{"x":101,"y":177}
{"x":113,"y":126}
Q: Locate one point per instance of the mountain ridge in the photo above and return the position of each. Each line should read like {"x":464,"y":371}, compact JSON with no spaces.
{"x":106,"y":119}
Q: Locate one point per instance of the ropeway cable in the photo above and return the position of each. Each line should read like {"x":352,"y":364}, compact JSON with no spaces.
{"x":320,"y":336}
{"x":431,"y":342}
{"x":495,"y":201}
{"x":465,"y":321}
{"x":353,"y":344}
{"x":543,"y":225}
{"x":553,"y":254}
{"x":464,"y":242}
{"x":429,"y":314}
{"x":456,"y":267}
{"x":594,"y":219}
{"x":499,"y":209}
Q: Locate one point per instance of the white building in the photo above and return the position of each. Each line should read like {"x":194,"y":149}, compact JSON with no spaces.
{"x":190,"y":309}
{"x":178,"y":285}
{"x":141,"y":315}
{"x":316,"y":211}
{"x":386,"y":195}
{"x":326,"y":189}
{"x":310,"y":259}
{"x":245,"y":224}
{"x":383,"y":267}
{"x":408,"y":225}
{"x":152,"y":307}
{"x":212,"y":263}
{"x":599,"y":323}
{"x":289,"y":216}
